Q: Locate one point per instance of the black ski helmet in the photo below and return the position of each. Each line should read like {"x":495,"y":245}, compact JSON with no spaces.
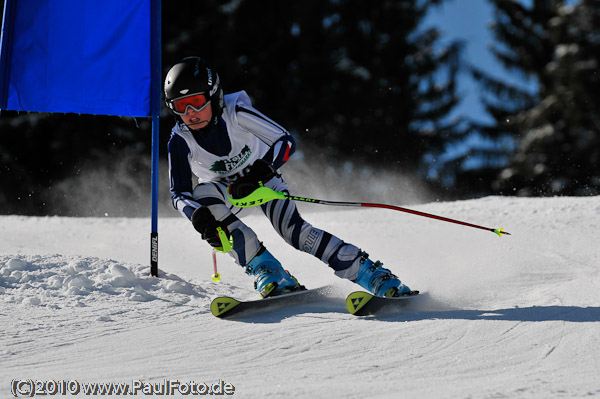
{"x":193,"y":75}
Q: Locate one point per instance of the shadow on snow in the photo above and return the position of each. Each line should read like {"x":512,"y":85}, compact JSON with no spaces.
{"x":573,"y":314}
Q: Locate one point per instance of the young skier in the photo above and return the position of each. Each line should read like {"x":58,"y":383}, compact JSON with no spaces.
{"x":228,"y":144}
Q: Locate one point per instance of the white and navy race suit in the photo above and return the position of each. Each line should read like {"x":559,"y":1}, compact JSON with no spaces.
{"x":241,"y":136}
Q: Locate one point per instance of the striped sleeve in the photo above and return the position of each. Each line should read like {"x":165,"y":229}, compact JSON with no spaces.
{"x":282,"y":144}
{"x":180,"y":177}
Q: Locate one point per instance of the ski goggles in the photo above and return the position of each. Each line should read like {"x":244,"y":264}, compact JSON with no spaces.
{"x":196,"y":101}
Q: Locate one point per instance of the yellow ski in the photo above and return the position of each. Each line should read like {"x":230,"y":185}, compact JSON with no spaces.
{"x":225,"y":306}
{"x":361,"y":303}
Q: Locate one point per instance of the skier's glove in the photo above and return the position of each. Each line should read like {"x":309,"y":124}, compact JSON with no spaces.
{"x":208,"y":227}
{"x":260,"y":172}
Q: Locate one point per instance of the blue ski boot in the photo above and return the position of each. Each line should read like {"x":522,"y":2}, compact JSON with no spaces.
{"x":271,"y":279}
{"x":381,"y":282}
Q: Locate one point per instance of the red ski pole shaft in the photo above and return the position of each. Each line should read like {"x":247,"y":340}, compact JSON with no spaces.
{"x":499,"y":232}
{"x":429,"y":215}
{"x":216,"y":276}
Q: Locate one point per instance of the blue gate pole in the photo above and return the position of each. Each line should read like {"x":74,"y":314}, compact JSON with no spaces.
{"x":155,"y":105}
{"x":6,"y":24}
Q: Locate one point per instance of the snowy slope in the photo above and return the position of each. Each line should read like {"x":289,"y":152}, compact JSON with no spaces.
{"x":515,"y":317}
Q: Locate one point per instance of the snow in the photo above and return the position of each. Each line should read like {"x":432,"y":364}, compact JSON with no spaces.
{"x":510,"y":317}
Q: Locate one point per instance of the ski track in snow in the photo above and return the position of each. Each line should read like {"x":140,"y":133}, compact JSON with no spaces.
{"x":515,"y":317}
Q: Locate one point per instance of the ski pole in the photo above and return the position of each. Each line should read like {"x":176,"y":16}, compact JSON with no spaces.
{"x":264,"y":194}
{"x":216,"y":276}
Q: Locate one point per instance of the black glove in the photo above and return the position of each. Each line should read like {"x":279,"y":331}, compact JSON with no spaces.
{"x":206,"y":224}
{"x":260,"y":171}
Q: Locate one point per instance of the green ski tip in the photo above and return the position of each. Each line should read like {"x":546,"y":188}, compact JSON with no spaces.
{"x":222,"y":305}
{"x":356,"y":300}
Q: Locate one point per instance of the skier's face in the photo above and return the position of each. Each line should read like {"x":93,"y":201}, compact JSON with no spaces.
{"x":197,"y":119}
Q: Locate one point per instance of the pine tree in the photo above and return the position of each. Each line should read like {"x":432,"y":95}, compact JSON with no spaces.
{"x":556,"y":130}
